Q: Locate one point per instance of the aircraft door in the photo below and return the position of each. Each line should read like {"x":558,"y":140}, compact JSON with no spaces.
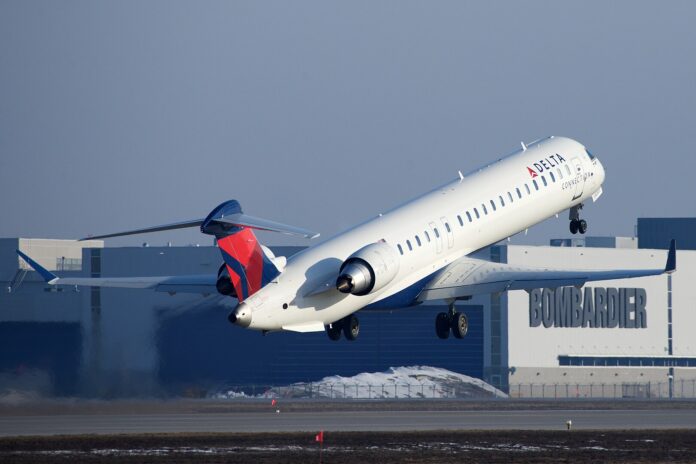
{"x":437,"y":236}
{"x":579,"y":178}
{"x":448,"y":231}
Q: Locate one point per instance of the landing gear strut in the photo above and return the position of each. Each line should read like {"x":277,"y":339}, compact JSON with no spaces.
{"x":349,"y":326}
{"x":577,"y":224}
{"x":451,"y":321}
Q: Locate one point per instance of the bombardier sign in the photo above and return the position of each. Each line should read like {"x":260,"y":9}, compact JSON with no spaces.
{"x":588,"y":307}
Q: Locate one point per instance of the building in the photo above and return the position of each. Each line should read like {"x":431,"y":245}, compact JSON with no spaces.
{"x":618,"y":338}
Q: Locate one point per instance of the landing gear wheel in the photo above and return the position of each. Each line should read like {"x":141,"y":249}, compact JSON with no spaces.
{"x":351,"y":327}
{"x":334,"y":331}
{"x":582,"y":226}
{"x":574,"y":227}
{"x":459,"y":325}
{"x":442,"y":325}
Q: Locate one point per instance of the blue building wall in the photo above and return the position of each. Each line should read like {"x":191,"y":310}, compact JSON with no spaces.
{"x":657,"y":232}
{"x":203,"y":350}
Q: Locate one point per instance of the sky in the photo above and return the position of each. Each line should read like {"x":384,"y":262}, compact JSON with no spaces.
{"x":119,"y":115}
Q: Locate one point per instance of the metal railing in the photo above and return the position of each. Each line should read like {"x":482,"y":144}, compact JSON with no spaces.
{"x":678,"y":389}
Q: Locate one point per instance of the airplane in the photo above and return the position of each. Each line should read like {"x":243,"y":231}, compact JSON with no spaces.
{"x":416,"y":252}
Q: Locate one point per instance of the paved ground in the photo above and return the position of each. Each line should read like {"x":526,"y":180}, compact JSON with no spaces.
{"x":361,"y":420}
{"x":441,"y":447}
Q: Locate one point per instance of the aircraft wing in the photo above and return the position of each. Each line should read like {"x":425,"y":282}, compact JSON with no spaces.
{"x":202,"y":283}
{"x":468,"y":277}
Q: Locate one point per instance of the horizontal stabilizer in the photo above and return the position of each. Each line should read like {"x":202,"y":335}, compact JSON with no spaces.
{"x":220,"y":222}
{"x":147,"y":230}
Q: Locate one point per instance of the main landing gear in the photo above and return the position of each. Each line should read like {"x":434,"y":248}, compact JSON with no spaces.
{"x":451,"y":321}
{"x":577,"y":224}
{"x":349,"y":326}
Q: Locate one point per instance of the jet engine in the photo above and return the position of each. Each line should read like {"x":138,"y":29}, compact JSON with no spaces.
{"x":368,"y":269}
{"x":224,"y":283}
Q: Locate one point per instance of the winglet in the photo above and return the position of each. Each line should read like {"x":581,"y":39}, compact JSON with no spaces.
{"x":671,"y":257}
{"x":47,"y":275}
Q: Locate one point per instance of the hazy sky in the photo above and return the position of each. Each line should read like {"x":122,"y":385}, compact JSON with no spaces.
{"x":115,"y":115}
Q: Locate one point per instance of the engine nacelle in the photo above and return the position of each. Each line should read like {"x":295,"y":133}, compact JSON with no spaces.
{"x":224,"y":283}
{"x":368,"y":269}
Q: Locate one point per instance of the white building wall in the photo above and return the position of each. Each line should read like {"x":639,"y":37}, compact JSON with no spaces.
{"x":540,"y":346}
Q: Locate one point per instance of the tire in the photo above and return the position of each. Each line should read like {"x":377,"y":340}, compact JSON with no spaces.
{"x":351,"y":327}
{"x":334,"y":331}
{"x":574,"y":227}
{"x":459,"y":325}
{"x":582,"y":226}
{"x":442,"y":325}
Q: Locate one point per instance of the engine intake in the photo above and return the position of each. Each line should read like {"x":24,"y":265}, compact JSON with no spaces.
{"x":368,"y":269}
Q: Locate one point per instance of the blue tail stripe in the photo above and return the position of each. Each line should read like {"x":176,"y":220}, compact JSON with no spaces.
{"x":239,"y":270}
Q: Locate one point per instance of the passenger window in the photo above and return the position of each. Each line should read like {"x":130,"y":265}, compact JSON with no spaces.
{"x":427,"y":235}
{"x":502,"y":202}
{"x":493,"y":205}
{"x":553,"y":178}
{"x":408,"y":244}
{"x":418,"y":240}
{"x":468,"y":216}
{"x":519,"y":194}
{"x":401,"y":250}
{"x":543,"y":179}
{"x":437,"y":234}
{"x":485,"y":211}
{"x":567,"y":169}
{"x":536,"y":186}
{"x":528,"y":191}
{"x":560,"y":173}
{"x":476,"y":213}
{"x":461,"y":223}
{"x":447,"y":227}
{"x":510,"y":197}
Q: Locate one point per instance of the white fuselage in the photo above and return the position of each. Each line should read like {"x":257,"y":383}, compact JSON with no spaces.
{"x":433,"y":230}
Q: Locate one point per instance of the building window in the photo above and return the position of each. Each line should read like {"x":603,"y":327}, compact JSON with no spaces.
{"x":408,"y":244}
{"x":468,"y":216}
{"x":519,"y":194}
{"x":461,"y":223}
{"x":401,"y":250}
{"x":418,"y":240}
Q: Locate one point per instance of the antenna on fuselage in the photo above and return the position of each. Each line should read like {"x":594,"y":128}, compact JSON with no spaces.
{"x":524,"y":147}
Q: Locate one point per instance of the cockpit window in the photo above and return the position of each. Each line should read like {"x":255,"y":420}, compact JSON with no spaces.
{"x":589,"y":153}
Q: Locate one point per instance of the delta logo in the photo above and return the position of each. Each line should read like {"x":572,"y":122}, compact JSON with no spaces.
{"x":545,"y":164}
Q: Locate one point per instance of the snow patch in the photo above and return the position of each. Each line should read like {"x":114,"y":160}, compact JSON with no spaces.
{"x":395,"y":383}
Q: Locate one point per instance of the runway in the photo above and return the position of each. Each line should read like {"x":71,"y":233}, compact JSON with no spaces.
{"x":344,"y":421}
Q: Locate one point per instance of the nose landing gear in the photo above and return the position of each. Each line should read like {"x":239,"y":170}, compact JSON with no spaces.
{"x":577,"y":224}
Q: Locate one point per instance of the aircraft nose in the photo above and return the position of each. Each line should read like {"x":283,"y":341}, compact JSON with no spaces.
{"x":241,"y":316}
{"x":600,"y":172}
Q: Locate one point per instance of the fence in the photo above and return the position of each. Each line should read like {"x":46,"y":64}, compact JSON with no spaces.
{"x":680,"y":389}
